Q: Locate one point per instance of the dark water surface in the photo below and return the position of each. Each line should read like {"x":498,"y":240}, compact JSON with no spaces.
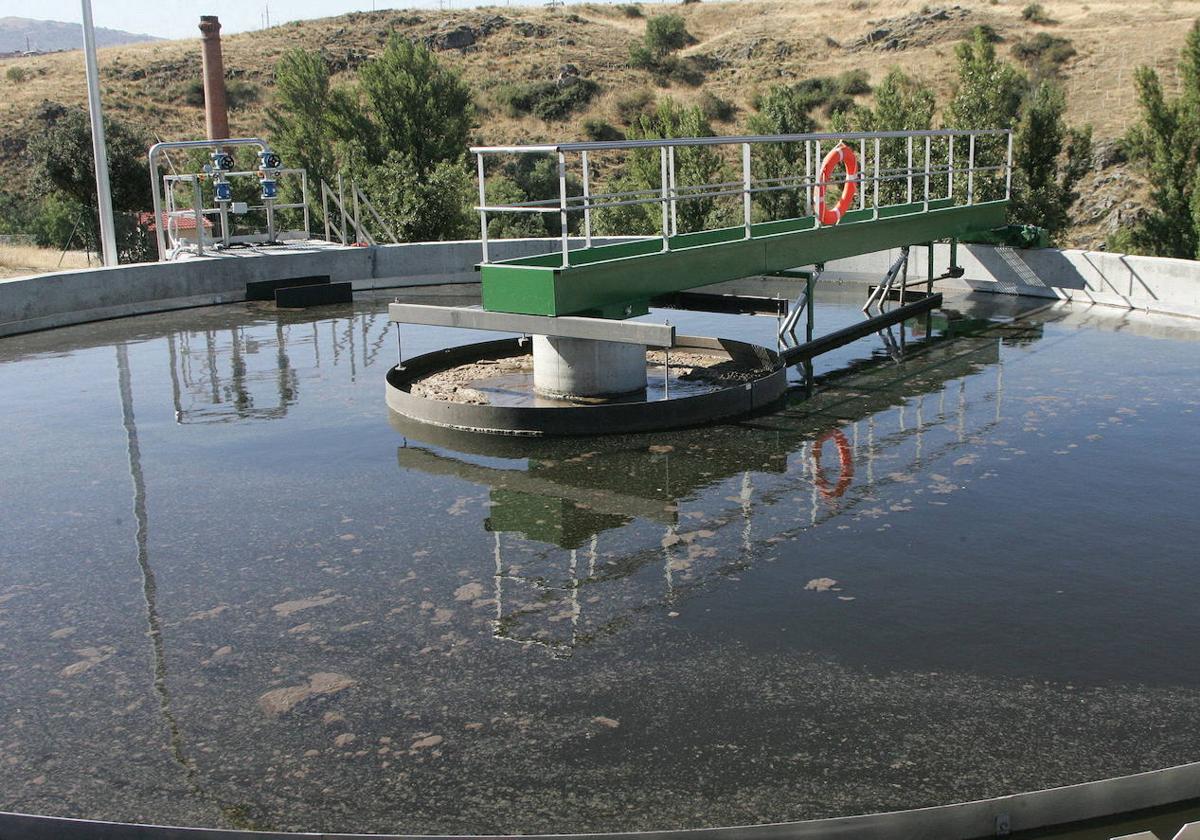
{"x":234,"y":592}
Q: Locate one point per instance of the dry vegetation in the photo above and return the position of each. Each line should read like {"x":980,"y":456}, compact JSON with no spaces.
{"x":746,"y":46}
{"x":19,"y":260}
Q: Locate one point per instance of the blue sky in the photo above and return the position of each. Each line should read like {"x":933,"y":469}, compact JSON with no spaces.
{"x":179,"y":18}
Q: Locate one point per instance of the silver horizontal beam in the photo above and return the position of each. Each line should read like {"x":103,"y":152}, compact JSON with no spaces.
{"x":570,"y":326}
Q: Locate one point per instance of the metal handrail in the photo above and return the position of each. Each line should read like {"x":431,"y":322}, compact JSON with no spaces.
{"x":918,"y":175}
{"x":653,"y":143}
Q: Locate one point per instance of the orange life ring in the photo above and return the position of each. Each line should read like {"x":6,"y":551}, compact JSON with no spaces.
{"x":846,"y":459}
{"x":844,"y":155}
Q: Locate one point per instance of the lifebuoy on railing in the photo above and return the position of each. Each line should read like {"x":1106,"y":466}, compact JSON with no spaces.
{"x":846,"y":463}
{"x":844,"y":155}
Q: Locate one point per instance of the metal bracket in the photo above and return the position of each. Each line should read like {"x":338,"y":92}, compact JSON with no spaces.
{"x":879,"y":295}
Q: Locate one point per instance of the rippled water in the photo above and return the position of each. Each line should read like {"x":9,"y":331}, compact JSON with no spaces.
{"x":234,"y":592}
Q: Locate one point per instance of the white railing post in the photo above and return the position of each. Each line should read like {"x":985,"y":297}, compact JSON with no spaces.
{"x":950,"y":169}
{"x":862,"y":167}
{"x":341,"y":197}
{"x":671,"y":185}
{"x":587,"y":202}
{"x":304,"y":200}
{"x":197,"y":200}
{"x":483,"y":220}
{"x":971,"y":171}
{"x":875,"y":214}
{"x":908,"y":200}
{"x":325,"y":208}
{"x":928,"y":151}
{"x":819,"y":194}
{"x":663,"y":199}
{"x":808,"y":179}
{"x":1008,"y":167}
{"x":562,"y":208}
{"x":746,"y":187}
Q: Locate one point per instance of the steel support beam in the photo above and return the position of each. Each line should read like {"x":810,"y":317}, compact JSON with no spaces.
{"x":596,"y":329}
{"x":838,"y":338}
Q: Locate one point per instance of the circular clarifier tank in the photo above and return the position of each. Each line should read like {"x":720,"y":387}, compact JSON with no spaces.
{"x":238,"y":592}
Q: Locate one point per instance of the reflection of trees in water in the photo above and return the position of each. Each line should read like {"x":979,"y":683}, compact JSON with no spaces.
{"x":218,"y":375}
{"x":553,"y":584}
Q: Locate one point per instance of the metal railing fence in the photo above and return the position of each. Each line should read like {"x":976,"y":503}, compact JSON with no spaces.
{"x":895,"y":168}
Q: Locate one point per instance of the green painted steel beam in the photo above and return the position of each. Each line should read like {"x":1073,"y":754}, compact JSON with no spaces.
{"x":609,"y":278}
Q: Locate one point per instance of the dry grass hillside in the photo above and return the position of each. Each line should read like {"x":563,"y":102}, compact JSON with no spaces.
{"x":741,"y":48}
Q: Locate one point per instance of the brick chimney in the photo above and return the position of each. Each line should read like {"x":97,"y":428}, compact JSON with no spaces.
{"x":216,"y":114}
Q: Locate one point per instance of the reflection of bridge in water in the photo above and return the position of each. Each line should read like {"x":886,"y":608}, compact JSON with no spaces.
{"x":557,"y":584}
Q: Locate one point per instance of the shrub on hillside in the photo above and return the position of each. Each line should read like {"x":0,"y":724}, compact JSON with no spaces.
{"x":548,"y":101}
{"x":1043,"y":53}
{"x":1036,"y":13}
{"x":597,"y":129}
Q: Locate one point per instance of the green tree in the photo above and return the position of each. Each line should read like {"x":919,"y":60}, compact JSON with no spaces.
{"x":902,"y":103}
{"x":665,"y":34}
{"x":309,"y":115}
{"x":784,"y":109}
{"x":694,"y":166}
{"x":1048,"y":160}
{"x":419,"y":107}
{"x":1166,"y":143}
{"x":423,"y":206}
{"x":989,"y":93}
{"x":65,"y":168}
{"x":400,"y":133}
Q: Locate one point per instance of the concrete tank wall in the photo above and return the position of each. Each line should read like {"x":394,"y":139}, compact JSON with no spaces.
{"x":1155,"y":284}
{"x":71,"y":297}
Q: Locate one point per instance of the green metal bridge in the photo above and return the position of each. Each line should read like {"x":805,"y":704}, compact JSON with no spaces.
{"x":910,"y":188}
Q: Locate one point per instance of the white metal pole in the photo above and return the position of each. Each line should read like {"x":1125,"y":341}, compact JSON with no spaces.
{"x":108,"y":234}
{"x":746,"y":207}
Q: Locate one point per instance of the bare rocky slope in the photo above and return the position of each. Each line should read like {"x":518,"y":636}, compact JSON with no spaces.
{"x":739,"y":49}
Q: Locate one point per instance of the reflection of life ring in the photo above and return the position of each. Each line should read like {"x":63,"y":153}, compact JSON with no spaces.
{"x":840,"y":154}
{"x":846,"y":459}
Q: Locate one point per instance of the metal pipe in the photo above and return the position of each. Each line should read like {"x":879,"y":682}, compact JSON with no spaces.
{"x":108,"y":231}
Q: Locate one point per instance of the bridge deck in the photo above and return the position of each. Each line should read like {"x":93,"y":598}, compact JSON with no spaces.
{"x":604,"y":280}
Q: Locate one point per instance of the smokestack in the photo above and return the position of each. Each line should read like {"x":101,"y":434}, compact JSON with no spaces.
{"x":216,"y":114}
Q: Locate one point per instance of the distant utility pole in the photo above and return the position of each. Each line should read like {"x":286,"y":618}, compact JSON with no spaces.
{"x":108,"y":234}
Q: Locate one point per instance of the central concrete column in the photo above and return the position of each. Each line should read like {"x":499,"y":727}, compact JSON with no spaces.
{"x":579,"y":367}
